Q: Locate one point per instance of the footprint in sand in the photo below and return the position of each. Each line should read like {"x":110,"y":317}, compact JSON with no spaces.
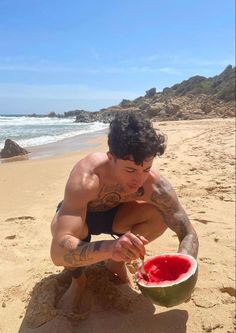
{"x":10,"y":237}
{"x":207,"y":261}
{"x":13,"y":292}
{"x":211,"y":327}
{"x":231,"y":291}
{"x":202,"y":298}
{"x":21,"y":219}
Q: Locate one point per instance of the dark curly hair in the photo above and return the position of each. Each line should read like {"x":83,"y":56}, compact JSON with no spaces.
{"x":131,"y":134}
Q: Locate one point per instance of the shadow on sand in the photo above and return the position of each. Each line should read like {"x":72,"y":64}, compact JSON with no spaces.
{"x":110,"y":308}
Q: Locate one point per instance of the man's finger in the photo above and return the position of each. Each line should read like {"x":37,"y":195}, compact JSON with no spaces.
{"x":139,"y":243}
{"x":142,"y":239}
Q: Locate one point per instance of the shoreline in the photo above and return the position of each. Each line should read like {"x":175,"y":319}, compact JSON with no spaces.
{"x":73,"y":144}
{"x":85,"y":141}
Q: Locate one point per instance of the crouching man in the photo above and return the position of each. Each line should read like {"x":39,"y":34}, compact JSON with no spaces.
{"x":117,"y":193}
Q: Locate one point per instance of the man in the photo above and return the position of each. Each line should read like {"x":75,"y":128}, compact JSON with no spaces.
{"x":117,"y":193}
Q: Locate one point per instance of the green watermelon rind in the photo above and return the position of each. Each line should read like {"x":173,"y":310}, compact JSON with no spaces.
{"x":173,"y":294}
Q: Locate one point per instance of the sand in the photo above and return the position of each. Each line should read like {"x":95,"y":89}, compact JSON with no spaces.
{"x":199,"y":162}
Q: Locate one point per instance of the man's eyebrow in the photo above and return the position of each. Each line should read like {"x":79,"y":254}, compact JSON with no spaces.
{"x":130,"y":168}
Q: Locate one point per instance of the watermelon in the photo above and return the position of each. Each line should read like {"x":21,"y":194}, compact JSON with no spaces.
{"x":169,"y":279}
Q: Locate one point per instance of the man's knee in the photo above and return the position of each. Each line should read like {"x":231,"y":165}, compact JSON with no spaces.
{"x":136,"y":214}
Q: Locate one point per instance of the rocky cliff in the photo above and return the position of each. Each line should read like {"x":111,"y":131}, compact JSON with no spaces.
{"x":196,"y":98}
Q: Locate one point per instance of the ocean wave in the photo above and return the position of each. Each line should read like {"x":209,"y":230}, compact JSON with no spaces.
{"x":26,"y":121}
{"x":27,"y":132}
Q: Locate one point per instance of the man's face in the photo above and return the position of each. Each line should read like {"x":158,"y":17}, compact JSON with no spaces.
{"x":130,"y":175}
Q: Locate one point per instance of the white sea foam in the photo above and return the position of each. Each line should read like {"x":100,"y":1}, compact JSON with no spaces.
{"x":30,"y":131}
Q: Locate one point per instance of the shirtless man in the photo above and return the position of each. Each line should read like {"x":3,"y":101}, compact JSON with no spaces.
{"x":117,"y":193}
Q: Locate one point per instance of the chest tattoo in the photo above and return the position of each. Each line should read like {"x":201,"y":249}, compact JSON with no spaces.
{"x":111,"y":196}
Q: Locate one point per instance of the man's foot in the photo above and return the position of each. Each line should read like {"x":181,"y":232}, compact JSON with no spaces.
{"x":120,"y":270}
{"x":74,"y":300}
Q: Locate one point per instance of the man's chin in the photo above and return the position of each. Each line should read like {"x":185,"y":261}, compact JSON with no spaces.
{"x":131,"y":189}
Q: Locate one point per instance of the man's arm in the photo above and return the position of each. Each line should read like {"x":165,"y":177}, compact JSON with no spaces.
{"x":68,"y":248}
{"x":76,"y":253}
{"x":73,"y":252}
{"x":165,"y":199}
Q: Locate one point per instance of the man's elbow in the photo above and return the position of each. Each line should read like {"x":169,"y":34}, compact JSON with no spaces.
{"x":55,"y":258}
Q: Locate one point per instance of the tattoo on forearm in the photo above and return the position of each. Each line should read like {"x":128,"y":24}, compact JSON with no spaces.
{"x":84,"y":252}
{"x":79,"y":255}
{"x":97,"y":245}
{"x":66,"y":243}
{"x":174,"y":216}
{"x":190,"y":245}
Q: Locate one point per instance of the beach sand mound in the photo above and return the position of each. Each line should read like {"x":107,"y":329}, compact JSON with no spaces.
{"x":103,"y":292}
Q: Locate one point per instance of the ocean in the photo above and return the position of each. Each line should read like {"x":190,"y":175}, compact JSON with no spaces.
{"x":37,"y":131}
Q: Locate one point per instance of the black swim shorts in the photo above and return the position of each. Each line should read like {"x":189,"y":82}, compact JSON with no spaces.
{"x":98,"y":222}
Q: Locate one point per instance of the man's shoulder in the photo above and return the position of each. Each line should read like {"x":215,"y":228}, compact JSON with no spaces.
{"x":154,"y":176}
{"x":85,"y":174}
{"x":93,"y":159}
{"x":89,"y":163}
{"x":157,"y":183}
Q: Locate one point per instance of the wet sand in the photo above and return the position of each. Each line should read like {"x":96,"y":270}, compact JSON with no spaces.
{"x":200,"y":164}
{"x":69,"y":145}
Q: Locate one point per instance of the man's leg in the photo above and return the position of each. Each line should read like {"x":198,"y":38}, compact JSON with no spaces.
{"x":139,"y":218}
{"x":71,"y":300}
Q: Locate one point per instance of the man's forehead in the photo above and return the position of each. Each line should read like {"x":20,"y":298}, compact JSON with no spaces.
{"x":130,"y":160}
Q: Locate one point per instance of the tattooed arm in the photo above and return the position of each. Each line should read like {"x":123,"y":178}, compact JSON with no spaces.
{"x":72,"y":252}
{"x":69,"y":227}
{"x":76,"y":253}
{"x":165,"y":199}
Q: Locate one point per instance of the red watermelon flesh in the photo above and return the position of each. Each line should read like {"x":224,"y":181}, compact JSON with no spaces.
{"x":166,"y":268}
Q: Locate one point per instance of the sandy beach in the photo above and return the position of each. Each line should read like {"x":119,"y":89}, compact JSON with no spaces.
{"x":200,"y":164}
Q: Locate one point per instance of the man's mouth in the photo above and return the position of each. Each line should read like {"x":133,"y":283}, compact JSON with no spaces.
{"x":133,"y":187}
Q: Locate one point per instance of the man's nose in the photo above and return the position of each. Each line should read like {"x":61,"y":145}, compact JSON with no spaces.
{"x":139,"y":178}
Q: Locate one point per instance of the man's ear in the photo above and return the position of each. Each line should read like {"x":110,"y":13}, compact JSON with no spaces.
{"x":110,"y":156}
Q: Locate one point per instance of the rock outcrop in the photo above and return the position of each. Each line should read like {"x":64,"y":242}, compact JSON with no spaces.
{"x":168,"y":108}
{"x":11,"y":149}
{"x":195,"y":98}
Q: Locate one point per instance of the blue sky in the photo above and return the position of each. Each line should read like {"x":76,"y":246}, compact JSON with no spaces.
{"x":89,"y":54}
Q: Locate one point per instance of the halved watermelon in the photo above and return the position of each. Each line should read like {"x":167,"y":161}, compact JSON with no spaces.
{"x":169,"y":279}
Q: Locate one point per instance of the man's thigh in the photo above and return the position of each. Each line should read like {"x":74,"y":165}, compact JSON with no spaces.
{"x":139,"y":216}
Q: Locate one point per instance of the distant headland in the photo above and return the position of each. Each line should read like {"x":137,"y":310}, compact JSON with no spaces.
{"x":196,"y":98}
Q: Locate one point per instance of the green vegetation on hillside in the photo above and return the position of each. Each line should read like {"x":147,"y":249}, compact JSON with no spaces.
{"x":221,"y":86}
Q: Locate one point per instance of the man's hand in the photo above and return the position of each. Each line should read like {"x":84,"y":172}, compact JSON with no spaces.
{"x":128,"y":247}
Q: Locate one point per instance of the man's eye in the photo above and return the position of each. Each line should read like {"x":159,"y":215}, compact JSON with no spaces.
{"x":130,"y":171}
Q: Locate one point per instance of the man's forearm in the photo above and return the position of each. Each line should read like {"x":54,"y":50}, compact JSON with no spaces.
{"x":189,"y":245}
{"x":188,"y":240}
{"x":69,"y":251}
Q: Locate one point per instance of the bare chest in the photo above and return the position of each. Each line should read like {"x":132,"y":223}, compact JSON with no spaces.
{"x":111,"y":196}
